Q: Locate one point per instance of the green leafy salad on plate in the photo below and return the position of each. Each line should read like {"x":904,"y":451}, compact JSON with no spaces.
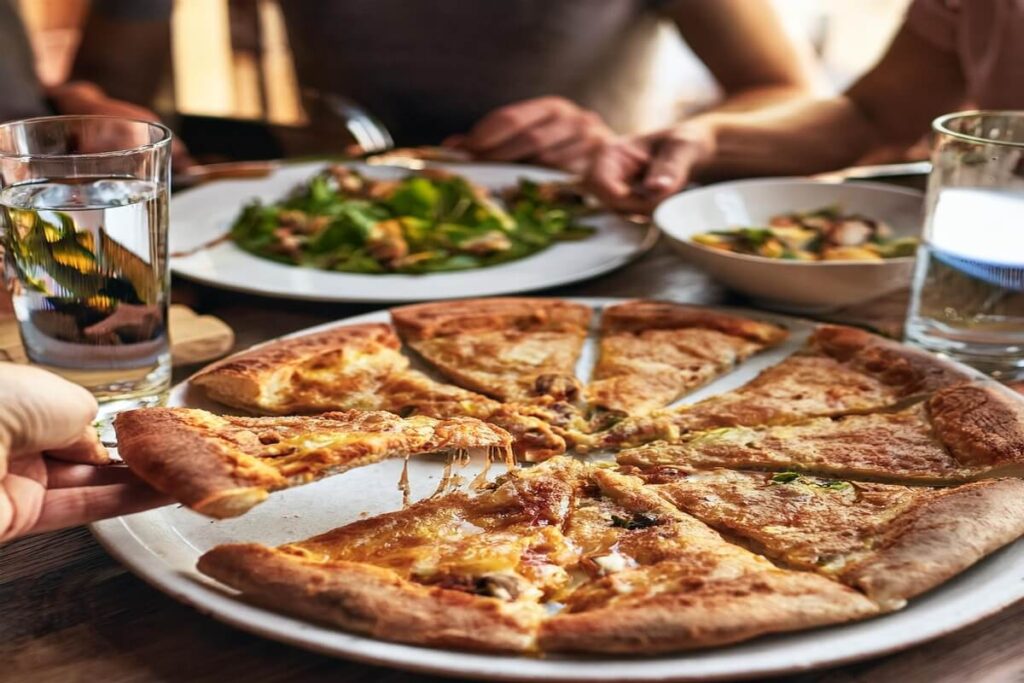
{"x":430,"y":221}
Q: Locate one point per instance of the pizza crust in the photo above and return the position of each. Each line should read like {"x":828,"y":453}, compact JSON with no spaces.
{"x":164,"y":448}
{"x":373,"y":601}
{"x":938,"y":539}
{"x":643,"y":314}
{"x":258,"y":379}
{"x":982,"y":425}
{"x":441,"y":319}
{"x":913,"y":371}
{"x":707,"y":615}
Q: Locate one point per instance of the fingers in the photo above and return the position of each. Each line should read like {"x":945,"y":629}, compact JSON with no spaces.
{"x":454,"y":141}
{"x":574,"y":157}
{"x":616,"y":167}
{"x":673,"y":160}
{"x":529,"y":143}
{"x":81,"y":505}
{"x":87,"y":449}
{"x":636,"y":174}
{"x":62,"y":475}
{"x":21,"y":497}
{"x":504,"y":123}
{"x":40,"y":411}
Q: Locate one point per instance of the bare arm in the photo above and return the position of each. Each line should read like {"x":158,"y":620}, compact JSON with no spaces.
{"x":891,"y":105}
{"x":745,"y":46}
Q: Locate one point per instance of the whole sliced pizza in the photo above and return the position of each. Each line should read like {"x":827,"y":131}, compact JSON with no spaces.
{"x":836,"y":485}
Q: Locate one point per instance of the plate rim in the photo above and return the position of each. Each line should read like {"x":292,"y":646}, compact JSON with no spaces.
{"x":119,"y":539}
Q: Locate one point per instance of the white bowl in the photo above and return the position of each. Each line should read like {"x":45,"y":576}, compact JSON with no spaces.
{"x":805,"y":286}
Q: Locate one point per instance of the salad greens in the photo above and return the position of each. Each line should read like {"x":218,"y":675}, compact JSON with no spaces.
{"x":433,"y":221}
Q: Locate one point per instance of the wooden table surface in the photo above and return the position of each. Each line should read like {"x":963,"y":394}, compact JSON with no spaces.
{"x":71,"y":613}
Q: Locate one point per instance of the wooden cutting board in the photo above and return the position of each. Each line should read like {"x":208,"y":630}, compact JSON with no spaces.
{"x":194,"y":338}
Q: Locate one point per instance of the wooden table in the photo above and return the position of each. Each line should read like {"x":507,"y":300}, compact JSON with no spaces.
{"x":71,"y":613}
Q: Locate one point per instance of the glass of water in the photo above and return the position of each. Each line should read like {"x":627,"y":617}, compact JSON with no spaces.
{"x":968,"y":292}
{"x":83,"y":222}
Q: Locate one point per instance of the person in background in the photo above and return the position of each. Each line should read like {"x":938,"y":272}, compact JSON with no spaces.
{"x":51,"y":473}
{"x":946,"y":53}
{"x":25,"y":97}
{"x":541,"y":81}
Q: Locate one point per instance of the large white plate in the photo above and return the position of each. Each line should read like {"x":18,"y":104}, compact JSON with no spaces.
{"x":161,"y":546}
{"x":200,"y":215}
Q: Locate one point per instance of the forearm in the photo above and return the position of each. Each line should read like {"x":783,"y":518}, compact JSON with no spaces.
{"x":761,"y":97}
{"x":797,"y":138}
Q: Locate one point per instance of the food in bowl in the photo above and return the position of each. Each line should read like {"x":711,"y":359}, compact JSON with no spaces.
{"x":430,"y":221}
{"x":824,"y":234}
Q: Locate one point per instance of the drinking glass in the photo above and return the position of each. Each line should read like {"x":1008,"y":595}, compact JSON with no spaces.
{"x":968,"y":292}
{"x":83,"y":222}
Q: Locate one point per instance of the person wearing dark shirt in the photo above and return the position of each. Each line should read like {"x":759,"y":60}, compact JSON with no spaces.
{"x":544,"y":81}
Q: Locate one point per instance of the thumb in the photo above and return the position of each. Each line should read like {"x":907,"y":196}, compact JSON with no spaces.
{"x":40,"y":411}
{"x":670,"y":167}
{"x":674,"y":158}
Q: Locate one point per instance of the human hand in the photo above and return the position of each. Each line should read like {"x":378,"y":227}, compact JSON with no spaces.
{"x":51,"y":461}
{"x":634,"y":174}
{"x":83,"y":97}
{"x":551,"y":131}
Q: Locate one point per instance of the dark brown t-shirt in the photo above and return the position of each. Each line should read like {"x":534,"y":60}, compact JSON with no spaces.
{"x":432,"y":68}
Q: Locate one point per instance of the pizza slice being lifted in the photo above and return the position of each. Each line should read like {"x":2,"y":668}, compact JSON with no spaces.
{"x":358,"y":367}
{"x":511,"y":349}
{"x":628,"y":571}
{"x":223,"y":466}
{"x":963,"y":432}
{"x":653,"y":352}
{"x":890,"y":542}
{"x":841,"y":371}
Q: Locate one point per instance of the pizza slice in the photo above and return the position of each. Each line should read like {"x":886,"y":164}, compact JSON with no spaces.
{"x":358,"y":367}
{"x":484,"y":572}
{"x":653,"y":352}
{"x":841,"y":371}
{"x":654,"y":579}
{"x":511,"y":349}
{"x":963,"y":432}
{"x":462,"y":571}
{"x":890,"y":542}
{"x":222,"y":466}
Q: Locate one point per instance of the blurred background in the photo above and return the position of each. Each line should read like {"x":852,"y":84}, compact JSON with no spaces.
{"x":231,"y":58}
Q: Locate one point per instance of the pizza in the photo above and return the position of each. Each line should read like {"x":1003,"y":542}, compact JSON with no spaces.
{"x":511,"y":349}
{"x":888,"y":541}
{"x":963,"y":432}
{"x":653,"y":352}
{"x":222,"y":466}
{"x":565,"y":556}
{"x":836,"y":485}
{"x":841,"y":371}
{"x":358,"y":367}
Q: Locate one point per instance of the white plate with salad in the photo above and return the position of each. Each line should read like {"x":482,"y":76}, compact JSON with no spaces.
{"x":368,"y":233}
